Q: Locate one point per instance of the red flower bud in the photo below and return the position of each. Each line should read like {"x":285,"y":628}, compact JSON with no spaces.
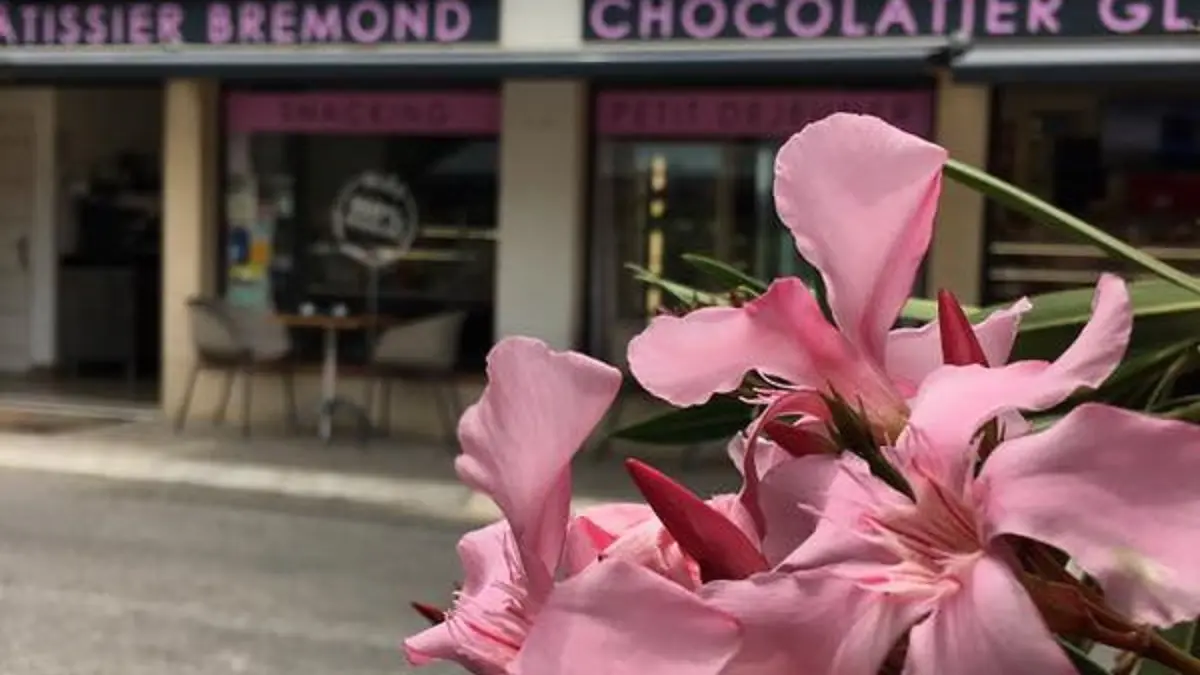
{"x":432,"y":614}
{"x":717,"y":545}
{"x":960,"y":346}
{"x":796,"y":441}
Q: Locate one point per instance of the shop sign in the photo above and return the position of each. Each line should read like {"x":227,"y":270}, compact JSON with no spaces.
{"x":647,"y":20}
{"x":245,"y":23}
{"x":374,"y":219}
{"x":450,"y":113}
{"x":751,"y":114}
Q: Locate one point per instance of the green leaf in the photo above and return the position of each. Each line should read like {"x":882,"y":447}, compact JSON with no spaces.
{"x":1021,"y":201}
{"x":1183,"y":636}
{"x":718,"y":419}
{"x":1084,"y":664}
{"x":685,"y":294}
{"x":1164,"y":314}
{"x":725,"y":275}
{"x":1144,"y":380}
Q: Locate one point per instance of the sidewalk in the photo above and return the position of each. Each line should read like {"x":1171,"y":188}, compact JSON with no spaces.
{"x":408,"y":476}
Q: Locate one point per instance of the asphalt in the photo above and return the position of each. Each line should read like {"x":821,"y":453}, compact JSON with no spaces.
{"x":132,"y":578}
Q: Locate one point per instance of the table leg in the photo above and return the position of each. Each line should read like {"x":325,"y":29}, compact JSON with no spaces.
{"x":328,"y":385}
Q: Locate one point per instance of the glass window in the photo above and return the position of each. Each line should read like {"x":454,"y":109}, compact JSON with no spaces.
{"x":283,"y":189}
{"x":657,"y":200}
{"x":1125,"y":160}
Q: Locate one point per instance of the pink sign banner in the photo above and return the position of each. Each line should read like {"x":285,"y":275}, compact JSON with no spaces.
{"x":457,"y":113}
{"x":752,"y":114}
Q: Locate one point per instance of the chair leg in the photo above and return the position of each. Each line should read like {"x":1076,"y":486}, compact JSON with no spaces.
{"x":226,"y":392}
{"x":289,"y":398}
{"x":371,"y":383}
{"x":186,"y":403}
{"x":446,"y":411}
{"x":386,"y":418}
{"x":247,"y":392}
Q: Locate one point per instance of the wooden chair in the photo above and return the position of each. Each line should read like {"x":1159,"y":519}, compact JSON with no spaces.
{"x":237,"y":341}
{"x":425,"y":350}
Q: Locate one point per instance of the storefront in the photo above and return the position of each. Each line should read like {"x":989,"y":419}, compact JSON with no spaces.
{"x":538,"y":146}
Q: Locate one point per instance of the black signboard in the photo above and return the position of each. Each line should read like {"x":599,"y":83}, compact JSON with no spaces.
{"x":265,"y":22}
{"x":653,"y":20}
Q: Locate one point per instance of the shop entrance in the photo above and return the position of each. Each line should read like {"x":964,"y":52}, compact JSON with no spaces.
{"x":80,"y":228}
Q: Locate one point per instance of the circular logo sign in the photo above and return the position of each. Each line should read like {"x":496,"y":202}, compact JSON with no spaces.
{"x":375,"y":214}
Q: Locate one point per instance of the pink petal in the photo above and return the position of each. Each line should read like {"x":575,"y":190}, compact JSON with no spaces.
{"x":1116,"y":490}
{"x":619,"y":619}
{"x":914,"y":353}
{"x":598,"y":528}
{"x":685,"y":360}
{"x":955,"y":401}
{"x":989,"y":627}
{"x":859,"y":197}
{"x":780,"y":496}
{"x":810,"y":623}
{"x":518,"y":440}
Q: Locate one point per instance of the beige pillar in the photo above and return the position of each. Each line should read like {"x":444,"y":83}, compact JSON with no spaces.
{"x":963,"y":128}
{"x":190,"y":208}
{"x":541,"y":234}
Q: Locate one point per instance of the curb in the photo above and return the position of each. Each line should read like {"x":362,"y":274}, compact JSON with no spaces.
{"x":448,"y":500}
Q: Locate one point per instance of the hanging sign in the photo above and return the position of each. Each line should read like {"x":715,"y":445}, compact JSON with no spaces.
{"x":374,"y":218}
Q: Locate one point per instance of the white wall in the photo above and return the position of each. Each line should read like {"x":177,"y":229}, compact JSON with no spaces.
{"x":543,"y":168}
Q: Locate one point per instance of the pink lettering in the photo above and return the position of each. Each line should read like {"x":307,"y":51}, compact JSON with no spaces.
{"x":938,"y":20}
{"x":283,"y":23}
{"x":851,"y":26}
{"x":656,"y":13}
{"x":410,"y":20}
{"x":1042,"y":16}
{"x":967,"y":18}
{"x":451,"y":20}
{"x":71,"y":32}
{"x":747,"y":28}
{"x":7,"y":32}
{"x":141,"y":24}
{"x":793,"y":16}
{"x":319,"y":25}
{"x":49,"y":27}
{"x":598,"y":19}
{"x":29,"y":21}
{"x":117,"y":25}
{"x":170,"y":23}
{"x":1000,"y":17}
{"x":1172,"y":22}
{"x":1134,"y":18}
{"x":251,"y":17}
{"x":220,"y":24}
{"x":97,"y":30}
{"x":896,"y":13}
{"x":691,"y":15}
{"x":362,"y":29}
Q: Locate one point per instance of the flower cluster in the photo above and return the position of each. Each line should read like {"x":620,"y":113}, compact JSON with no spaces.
{"x":897,"y":514}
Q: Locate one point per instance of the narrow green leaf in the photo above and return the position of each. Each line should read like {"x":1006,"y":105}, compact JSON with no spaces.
{"x":1183,"y":636}
{"x":725,"y":275}
{"x":718,"y":419}
{"x":1021,"y":201}
{"x":1082,"y":662}
{"x":1164,"y":314}
{"x":685,"y":294}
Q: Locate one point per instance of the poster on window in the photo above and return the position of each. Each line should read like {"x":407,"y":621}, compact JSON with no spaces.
{"x":374,"y":218}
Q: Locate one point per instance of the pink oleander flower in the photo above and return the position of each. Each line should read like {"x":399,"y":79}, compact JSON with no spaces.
{"x":1109,"y":487}
{"x":859,"y":197}
{"x":518,"y":440}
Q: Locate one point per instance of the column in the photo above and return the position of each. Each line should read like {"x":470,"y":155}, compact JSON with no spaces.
{"x":963,"y":128}
{"x":190,"y":208}
{"x":540,"y":238}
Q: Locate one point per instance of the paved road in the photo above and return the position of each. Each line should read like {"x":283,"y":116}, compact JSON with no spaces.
{"x":107,"y":578}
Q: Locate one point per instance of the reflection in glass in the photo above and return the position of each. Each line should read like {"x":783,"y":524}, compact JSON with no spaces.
{"x":1126,"y":160}
{"x":281,"y":191}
